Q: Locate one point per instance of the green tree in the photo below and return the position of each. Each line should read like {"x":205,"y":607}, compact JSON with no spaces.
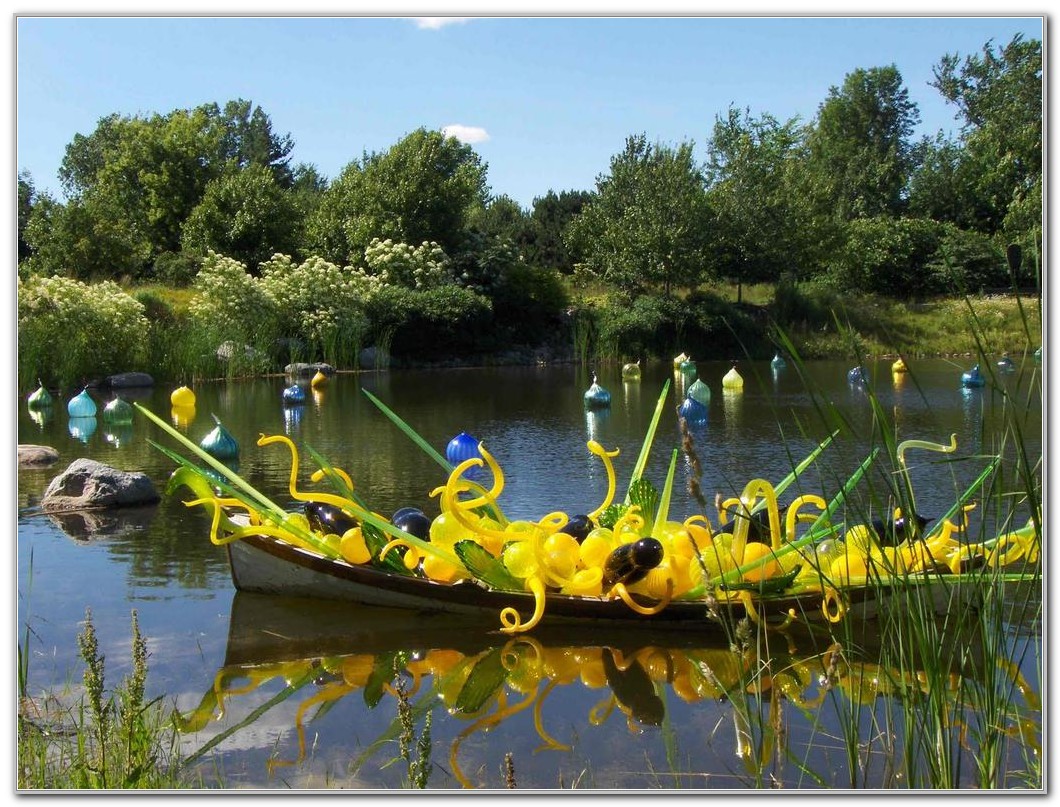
{"x":859,"y":147}
{"x":649,"y":223}
{"x":424,"y":188}
{"x":999,"y":96}
{"x":244,"y":215}
{"x":27,"y":196}
{"x":248,"y":140}
{"x":762,"y":226}
{"x":551,"y":215}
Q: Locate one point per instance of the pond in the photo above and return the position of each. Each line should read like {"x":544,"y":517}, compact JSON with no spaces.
{"x":276,"y":693}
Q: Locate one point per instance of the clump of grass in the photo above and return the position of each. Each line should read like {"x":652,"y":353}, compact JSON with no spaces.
{"x":419,"y":763}
{"x":114,"y":740}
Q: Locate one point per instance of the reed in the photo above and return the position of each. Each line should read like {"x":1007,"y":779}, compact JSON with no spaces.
{"x":101,"y":740}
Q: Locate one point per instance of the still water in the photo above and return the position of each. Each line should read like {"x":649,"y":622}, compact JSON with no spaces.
{"x":275,"y":693}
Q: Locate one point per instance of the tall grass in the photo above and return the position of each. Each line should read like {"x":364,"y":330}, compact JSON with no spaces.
{"x":98,"y":740}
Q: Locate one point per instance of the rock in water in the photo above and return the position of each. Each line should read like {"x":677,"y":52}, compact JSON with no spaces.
{"x":87,"y":484}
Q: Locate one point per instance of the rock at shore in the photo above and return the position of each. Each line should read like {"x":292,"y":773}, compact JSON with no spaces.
{"x":31,"y":456}
{"x":87,"y":484}
{"x":308,"y":370}
{"x":129,"y":381}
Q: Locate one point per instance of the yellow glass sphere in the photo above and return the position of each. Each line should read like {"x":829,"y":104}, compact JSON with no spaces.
{"x":595,"y":548}
{"x":446,"y":530}
{"x":519,"y":559}
{"x":353,"y":548}
{"x":585,"y":583}
{"x":441,"y":570}
{"x":182,"y":396}
{"x":770,"y":568}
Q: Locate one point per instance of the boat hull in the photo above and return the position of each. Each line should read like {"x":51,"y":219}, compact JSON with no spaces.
{"x":262,"y":565}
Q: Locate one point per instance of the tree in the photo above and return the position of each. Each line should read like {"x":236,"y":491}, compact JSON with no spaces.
{"x":149,"y":173}
{"x":762,"y":226}
{"x":245,"y":215}
{"x":549,"y":219}
{"x":649,"y":222}
{"x":999,"y":95}
{"x":859,"y":148}
{"x":424,"y":188}
{"x":27,"y":196}
{"x":249,"y":140}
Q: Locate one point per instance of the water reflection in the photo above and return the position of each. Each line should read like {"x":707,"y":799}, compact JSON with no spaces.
{"x":118,"y":434}
{"x":86,"y":525}
{"x":82,"y":428}
{"x":182,"y":417}
{"x":338,"y":664}
{"x":595,"y":420}
{"x":42,"y":417}
{"x":292,"y":418}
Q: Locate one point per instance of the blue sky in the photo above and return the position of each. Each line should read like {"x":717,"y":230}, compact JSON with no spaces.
{"x":545,"y":101}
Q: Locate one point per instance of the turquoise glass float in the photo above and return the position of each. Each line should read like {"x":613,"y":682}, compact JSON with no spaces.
{"x":973,"y":378}
{"x":688,"y":368}
{"x":699,"y":392}
{"x":294,"y":395}
{"x":778,"y":362}
{"x":81,"y":405}
{"x":461,"y":448}
{"x":40,"y":398}
{"x":1038,"y":355}
{"x":219,"y":443}
{"x":118,"y":411}
{"x":1005,"y":364}
{"x":596,"y":397}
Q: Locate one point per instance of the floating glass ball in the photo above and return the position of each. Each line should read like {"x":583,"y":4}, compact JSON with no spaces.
{"x":778,"y":362}
{"x":294,"y":394}
{"x":219,"y":443}
{"x":596,"y":396}
{"x":182,"y":396}
{"x":413,"y":521}
{"x":732,"y":380}
{"x":857,"y":375}
{"x":631,"y":372}
{"x":39,"y":398}
{"x":319,"y":379}
{"x":899,"y":366}
{"x":699,"y":392}
{"x":81,"y":405}
{"x":693,"y":412}
{"x":1006,"y":365}
{"x":461,"y":448}
{"x":118,"y":411}
{"x":973,"y":378}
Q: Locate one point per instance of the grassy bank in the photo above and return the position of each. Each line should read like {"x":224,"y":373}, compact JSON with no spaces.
{"x":70,"y":335}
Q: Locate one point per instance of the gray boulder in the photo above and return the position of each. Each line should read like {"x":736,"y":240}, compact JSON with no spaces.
{"x":87,"y":484}
{"x":300,"y":369}
{"x":130,"y":380}
{"x":227,"y":351}
{"x":372,"y":358}
{"x":31,"y":456}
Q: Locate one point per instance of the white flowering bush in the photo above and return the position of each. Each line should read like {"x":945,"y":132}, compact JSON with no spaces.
{"x":318,"y":301}
{"x":71,"y":332}
{"x":230,"y":302}
{"x":398,"y":264}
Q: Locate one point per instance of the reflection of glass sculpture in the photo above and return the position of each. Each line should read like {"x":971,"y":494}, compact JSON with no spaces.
{"x":82,"y":428}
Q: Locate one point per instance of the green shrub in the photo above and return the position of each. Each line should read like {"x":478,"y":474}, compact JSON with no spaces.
{"x":176,"y":269}
{"x":70,"y":332}
{"x":433,"y":324}
{"x":528,"y":305}
{"x":888,"y":256}
{"x":649,"y":326}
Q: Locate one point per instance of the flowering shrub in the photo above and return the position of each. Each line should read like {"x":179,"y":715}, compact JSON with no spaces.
{"x":398,"y":264}
{"x":318,"y":301}
{"x":69,"y":331}
{"x":229,"y":301}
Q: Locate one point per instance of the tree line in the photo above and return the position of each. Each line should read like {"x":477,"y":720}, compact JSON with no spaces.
{"x":849,"y":199}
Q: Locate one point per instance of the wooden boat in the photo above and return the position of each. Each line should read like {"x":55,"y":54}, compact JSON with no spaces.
{"x":264,"y":565}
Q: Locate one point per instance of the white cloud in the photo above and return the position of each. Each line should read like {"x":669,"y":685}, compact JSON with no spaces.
{"x":435,"y":23}
{"x":466,"y":134}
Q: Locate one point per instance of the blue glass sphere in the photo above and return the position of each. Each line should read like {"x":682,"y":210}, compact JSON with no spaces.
{"x":693,"y":412}
{"x":973,"y":378}
{"x":294,"y":394}
{"x":461,"y":448}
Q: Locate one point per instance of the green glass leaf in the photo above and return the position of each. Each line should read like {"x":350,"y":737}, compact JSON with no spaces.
{"x":611,"y":515}
{"x":487,"y":676}
{"x":485,"y":567}
{"x":644,"y":494}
